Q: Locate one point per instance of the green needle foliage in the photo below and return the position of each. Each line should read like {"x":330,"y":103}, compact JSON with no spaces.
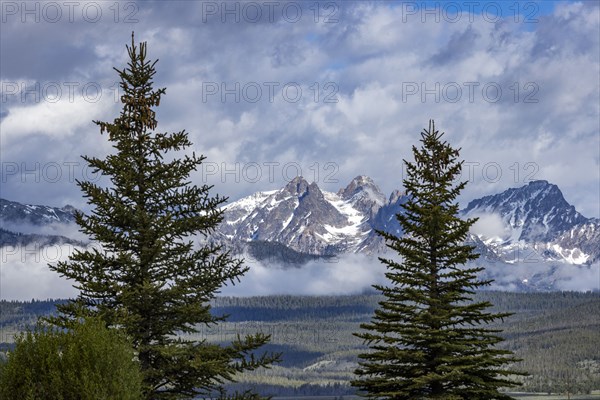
{"x":151,"y":278}
{"x":427,"y":338}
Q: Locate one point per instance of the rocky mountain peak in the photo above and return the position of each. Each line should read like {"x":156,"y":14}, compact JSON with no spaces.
{"x":540,"y":182}
{"x":297,"y":186}
{"x":534,"y":219}
{"x":298,"y":216}
{"x":69,"y":209}
{"x":14,"y":212}
{"x":362,"y":185}
{"x":314,"y":190}
{"x":537,"y":211}
{"x":545,"y":189}
{"x":364,"y":195}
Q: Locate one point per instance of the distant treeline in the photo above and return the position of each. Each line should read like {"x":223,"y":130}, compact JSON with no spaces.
{"x":557,"y":334}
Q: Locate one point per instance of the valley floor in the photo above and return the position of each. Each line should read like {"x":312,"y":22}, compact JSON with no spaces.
{"x":556,"y":334}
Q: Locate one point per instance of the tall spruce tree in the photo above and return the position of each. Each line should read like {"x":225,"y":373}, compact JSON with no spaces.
{"x":150,"y":278}
{"x":427,"y":339}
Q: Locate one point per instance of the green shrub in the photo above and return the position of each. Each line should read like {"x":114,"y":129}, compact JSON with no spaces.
{"x":87,"y":362}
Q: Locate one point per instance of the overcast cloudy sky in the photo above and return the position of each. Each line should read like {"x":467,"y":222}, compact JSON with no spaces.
{"x":329,"y":89}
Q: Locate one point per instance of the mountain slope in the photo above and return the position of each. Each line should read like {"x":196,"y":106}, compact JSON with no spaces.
{"x":304,"y":218}
{"x":537,"y":224}
{"x":26,"y":224}
{"x":537,"y":212}
{"x":532,"y":223}
{"x":13,"y":212}
{"x":32,"y":241}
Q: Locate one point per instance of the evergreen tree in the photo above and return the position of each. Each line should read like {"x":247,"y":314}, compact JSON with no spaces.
{"x":427,"y":339}
{"x":150,"y":278}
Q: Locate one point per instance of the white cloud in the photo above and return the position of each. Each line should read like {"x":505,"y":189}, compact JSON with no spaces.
{"x":579,"y":278}
{"x":371,"y":54}
{"x":24,"y":273}
{"x":70,"y":230}
{"x":489,"y":225}
{"x":348,"y":274}
{"x":543,"y":276}
{"x":60,"y":118}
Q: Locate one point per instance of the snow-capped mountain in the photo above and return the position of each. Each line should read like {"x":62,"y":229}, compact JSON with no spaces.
{"x":537,"y":212}
{"x":13,"y":212}
{"x":306,"y":219}
{"x":23,"y":224}
{"x":535,"y":223}
{"x":298,"y":222}
{"x":363,"y":195}
{"x":580,"y":244}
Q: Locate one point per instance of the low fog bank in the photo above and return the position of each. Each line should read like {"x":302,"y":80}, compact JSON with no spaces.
{"x":543,"y":276}
{"x":71,"y":231}
{"x":24,"y":275}
{"x":347,"y":274}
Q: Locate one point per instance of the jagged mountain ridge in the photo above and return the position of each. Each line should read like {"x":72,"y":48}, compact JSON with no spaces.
{"x":14,"y":212}
{"x":20,"y":224}
{"x":306,"y":219}
{"x":539,"y":224}
{"x":537,"y":212}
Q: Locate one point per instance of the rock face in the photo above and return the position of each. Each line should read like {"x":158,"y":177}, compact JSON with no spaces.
{"x":539,"y":225}
{"x":385,"y":220}
{"x":578,"y":245}
{"x":13,"y":212}
{"x":304,"y":218}
{"x":311,"y":221}
{"x":363,"y":195}
{"x":537,"y":212}
{"x":538,"y":222}
{"x":300,"y":222}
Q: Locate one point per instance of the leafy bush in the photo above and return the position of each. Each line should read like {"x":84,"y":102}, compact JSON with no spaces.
{"x":86,"y":362}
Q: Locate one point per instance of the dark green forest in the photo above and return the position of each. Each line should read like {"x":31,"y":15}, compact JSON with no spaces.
{"x":556,"y":334}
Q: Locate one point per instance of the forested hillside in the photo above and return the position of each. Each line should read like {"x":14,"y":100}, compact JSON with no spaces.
{"x":557,"y":335}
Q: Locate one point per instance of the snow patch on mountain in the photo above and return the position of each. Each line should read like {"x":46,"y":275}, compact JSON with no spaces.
{"x":529,"y":238}
{"x":534,"y":222}
{"x":527,"y":224}
{"x":309,"y":220}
